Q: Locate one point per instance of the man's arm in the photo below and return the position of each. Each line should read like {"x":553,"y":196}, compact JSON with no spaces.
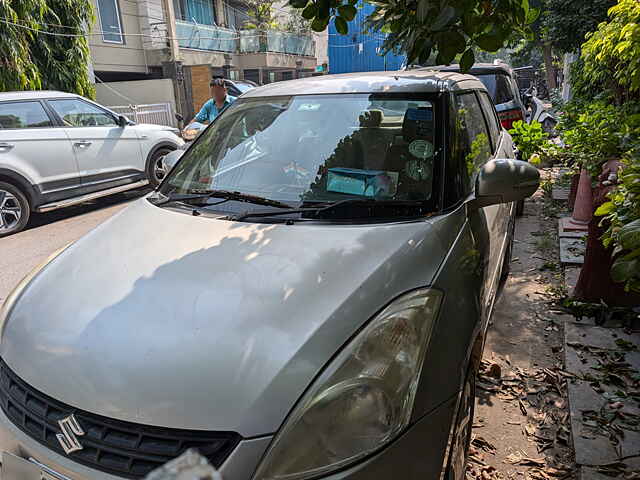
{"x":203,"y":115}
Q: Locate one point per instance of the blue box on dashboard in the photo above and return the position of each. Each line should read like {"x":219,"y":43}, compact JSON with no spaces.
{"x":368,"y":183}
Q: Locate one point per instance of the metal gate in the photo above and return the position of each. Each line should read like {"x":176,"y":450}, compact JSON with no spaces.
{"x":155,"y":113}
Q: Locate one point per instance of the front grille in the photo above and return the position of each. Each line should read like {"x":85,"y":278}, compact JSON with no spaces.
{"x":120,"y":448}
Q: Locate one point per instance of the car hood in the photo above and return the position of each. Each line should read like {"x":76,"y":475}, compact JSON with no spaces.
{"x":162,"y":318}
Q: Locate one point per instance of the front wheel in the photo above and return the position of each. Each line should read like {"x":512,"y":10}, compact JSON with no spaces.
{"x":14,"y":209}
{"x":456,"y":468}
{"x":156,"y":170}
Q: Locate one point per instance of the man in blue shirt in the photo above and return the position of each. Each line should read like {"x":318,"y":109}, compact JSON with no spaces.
{"x":215,"y":105}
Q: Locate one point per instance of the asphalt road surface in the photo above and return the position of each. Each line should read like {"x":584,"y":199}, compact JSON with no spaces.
{"x":48,"y":232}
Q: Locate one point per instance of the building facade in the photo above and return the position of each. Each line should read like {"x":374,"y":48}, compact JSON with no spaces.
{"x":360,"y":50}
{"x":131,"y":40}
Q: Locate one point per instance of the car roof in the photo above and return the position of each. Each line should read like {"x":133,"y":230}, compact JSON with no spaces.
{"x":406,"y":81}
{"x":477,"y":69}
{"x":34,"y":95}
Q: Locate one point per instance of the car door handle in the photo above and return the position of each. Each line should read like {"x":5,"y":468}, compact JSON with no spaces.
{"x":82,"y":144}
{"x":6,"y":146}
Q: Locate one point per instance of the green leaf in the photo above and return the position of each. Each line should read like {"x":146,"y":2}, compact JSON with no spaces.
{"x":467,"y":60}
{"x":310,"y":11}
{"x":445,"y":16}
{"x":532,"y":15}
{"x":604,"y":209}
{"x":629,"y":235}
{"x":298,"y":3}
{"x":341,"y":25}
{"x":623,"y":270}
{"x":450,"y":44}
{"x":348,"y":12}
{"x":319,"y":24}
{"x":490,"y":42}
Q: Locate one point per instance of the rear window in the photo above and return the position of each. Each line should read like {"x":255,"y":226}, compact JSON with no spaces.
{"x":23,"y":115}
{"x":498,"y":86}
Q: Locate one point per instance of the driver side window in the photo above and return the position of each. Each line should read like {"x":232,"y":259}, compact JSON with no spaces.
{"x":76,"y":113}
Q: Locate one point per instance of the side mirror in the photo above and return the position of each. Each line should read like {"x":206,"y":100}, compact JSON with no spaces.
{"x":171,"y":159}
{"x":122,"y":121}
{"x":505,"y":180}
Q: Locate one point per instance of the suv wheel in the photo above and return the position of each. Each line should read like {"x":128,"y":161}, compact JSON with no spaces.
{"x":14,"y":209}
{"x":155,"y":168}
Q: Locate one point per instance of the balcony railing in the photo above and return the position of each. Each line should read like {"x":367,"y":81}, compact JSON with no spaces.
{"x":255,"y":41}
{"x":206,"y":37}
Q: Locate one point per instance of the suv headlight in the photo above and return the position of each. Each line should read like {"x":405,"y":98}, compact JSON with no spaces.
{"x":362,"y":400}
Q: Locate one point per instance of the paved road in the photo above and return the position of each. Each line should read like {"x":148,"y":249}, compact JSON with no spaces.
{"x":46,"y":233}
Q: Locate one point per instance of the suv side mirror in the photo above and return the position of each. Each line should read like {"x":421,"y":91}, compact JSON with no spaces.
{"x":122,"y":121}
{"x":505,"y":180}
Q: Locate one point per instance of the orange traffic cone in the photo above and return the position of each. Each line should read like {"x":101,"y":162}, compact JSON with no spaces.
{"x":583,"y":208}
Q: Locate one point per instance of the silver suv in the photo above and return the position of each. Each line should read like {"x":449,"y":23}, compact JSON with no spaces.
{"x":306,"y":295}
{"x":59,"y":149}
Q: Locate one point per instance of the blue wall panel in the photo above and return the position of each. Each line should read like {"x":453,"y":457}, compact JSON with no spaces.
{"x":358,"y":51}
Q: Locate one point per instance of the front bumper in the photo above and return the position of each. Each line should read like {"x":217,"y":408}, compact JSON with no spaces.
{"x":418,"y":454}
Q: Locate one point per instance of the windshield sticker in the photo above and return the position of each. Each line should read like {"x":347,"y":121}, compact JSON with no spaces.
{"x":418,"y":170}
{"x":421,"y":149}
{"x":309,"y":107}
{"x":419,"y":114}
{"x":294,"y":169}
{"x":368,"y":183}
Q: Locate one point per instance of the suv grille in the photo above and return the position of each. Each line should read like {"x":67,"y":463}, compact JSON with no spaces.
{"x":120,"y":448}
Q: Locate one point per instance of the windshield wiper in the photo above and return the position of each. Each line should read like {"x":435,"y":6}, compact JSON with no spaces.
{"x":318,"y":211}
{"x":226,"y":194}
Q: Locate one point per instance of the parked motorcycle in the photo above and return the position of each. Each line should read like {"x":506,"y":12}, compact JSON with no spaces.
{"x":537,"y":112}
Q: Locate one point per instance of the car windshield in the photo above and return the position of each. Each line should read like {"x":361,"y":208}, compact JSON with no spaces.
{"x":317,"y":149}
{"x":498,"y":87}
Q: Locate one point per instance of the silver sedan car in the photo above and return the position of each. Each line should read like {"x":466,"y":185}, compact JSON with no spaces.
{"x":306,"y":295}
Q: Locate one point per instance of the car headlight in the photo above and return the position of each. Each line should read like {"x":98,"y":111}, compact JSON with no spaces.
{"x":9,"y":302}
{"x":362,"y":400}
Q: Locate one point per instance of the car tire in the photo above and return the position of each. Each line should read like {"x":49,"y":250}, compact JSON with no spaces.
{"x":155,"y":169}
{"x":14,"y":209}
{"x":457,"y":463}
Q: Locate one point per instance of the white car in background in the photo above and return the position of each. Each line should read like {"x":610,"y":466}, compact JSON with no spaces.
{"x":60,"y":149}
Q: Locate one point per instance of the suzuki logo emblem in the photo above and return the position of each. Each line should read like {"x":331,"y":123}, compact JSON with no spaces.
{"x":68,"y":438}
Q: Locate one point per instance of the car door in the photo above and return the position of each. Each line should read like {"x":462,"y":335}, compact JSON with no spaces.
{"x":32,"y":145}
{"x":479,"y":147}
{"x":108,"y":155}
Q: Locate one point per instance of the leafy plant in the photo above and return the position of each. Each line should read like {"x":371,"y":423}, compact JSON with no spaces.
{"x":611,"y":54}
{"x":595,"y":132}
{"x":530,"y":139}
{"x":418,"y":27}
{"x":262,"y":15}
{"x":622,"y":213}
{"x":32,"y":59}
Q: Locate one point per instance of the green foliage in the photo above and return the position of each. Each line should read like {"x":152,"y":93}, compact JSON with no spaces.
{"x":611,"y":55}
{"x":597,"y":131}
{"x":262,"y":15}
{"x":622,"y":213}
{"x":448,"y":28}
{"x":530,"y":139}
{"x":32,"y":60}
{"x":567,"y":22}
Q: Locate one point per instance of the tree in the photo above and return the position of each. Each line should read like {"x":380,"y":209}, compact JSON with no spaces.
{"x":419,"y":27}
{"x":567,"y":22}
{"x":32,"y":59}
{"x":262,"y":15}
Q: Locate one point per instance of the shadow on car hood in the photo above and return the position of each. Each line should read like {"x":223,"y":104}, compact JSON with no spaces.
{"x":162,"y":318}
